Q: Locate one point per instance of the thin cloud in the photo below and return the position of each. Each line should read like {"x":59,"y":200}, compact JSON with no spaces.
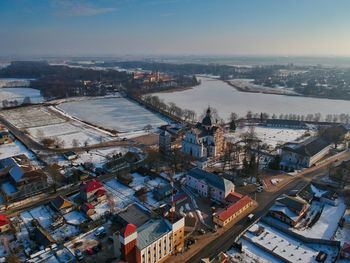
{"x":79,"y":8}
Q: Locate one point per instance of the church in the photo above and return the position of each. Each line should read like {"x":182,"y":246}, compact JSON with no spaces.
{"x":205,"y":139}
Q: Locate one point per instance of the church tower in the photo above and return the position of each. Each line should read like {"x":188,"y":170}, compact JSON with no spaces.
{"x":207,"y":120}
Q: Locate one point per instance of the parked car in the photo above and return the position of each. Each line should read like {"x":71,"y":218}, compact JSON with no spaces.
{"x":100,"y":232}
{"x":251,"y":217}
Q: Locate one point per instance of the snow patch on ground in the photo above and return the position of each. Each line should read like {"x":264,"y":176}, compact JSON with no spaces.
{"x":75,"y":217}
{"x":327,"y":224}
{"x":270,"y":136}
{"x":13,"y":149}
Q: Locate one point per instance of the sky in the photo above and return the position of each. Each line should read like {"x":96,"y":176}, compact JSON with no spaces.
{"x":174,"y":27}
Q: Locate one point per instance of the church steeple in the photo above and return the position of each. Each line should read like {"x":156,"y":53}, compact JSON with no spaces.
{"x":207,"y":122}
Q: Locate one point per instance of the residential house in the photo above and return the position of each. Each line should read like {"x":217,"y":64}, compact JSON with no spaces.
{"x":237,"y":209}
{"x":62,"y":205}
{"x":345,"y":252}
{"x":88,"y":209}
{"x":4,"y":223}
{"x":92,"y":190}
{"x":170,"y":138}
{"x":341,"y":173}
{"x":162,"y":191}
{"x":335,"y":134}
{"x":289,"y":209}
{"x":18,"y":178}
{"x":304,"y":154}
{"x":206,"y":139}
{"x":209,"y":185}
{"x":4,"y":137}
{"x":133,"y":214}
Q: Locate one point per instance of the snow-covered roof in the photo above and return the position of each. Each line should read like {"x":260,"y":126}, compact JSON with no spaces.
{"x":285,"y":210}
{"x":212,"y":179}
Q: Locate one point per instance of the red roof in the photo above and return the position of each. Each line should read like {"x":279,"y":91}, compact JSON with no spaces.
{"x":233,"y":197}
{"x":128,"y":230}
{"x":230,"y":210}
{"x":3,"y":220}
{"x":180,"y":197}
{"x":346,"y":247}
{"x":89,"y":186}
{"x":100,"y":192}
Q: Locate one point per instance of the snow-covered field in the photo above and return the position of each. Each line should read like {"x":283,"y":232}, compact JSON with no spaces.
{"x":119,"y":114}
{"x":28,"y":117}
{"x":41,"y":122}
{"x":270,"y":136}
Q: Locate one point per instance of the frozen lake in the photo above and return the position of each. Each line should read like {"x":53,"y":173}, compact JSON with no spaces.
{"x":19,"y":94}
{"x":119,"y":114}
{"x":226,"y":99}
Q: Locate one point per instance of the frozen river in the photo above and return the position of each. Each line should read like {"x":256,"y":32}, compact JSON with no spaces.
{"x":226,"y":99}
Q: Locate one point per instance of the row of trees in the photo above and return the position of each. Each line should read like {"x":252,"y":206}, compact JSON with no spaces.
{"x":170,"y":108}
{"x":14,"y":102}
{"x":316,"y":117}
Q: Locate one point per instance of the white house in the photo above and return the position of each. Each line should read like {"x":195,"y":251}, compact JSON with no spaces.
{"x":304,"y":154}
{"x":209,"y":185}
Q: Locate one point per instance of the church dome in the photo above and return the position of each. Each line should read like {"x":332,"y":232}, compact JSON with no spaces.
{"x":207,"y":121}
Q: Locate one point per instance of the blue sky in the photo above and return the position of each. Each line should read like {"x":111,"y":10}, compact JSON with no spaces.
{"x":198,"y":27}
